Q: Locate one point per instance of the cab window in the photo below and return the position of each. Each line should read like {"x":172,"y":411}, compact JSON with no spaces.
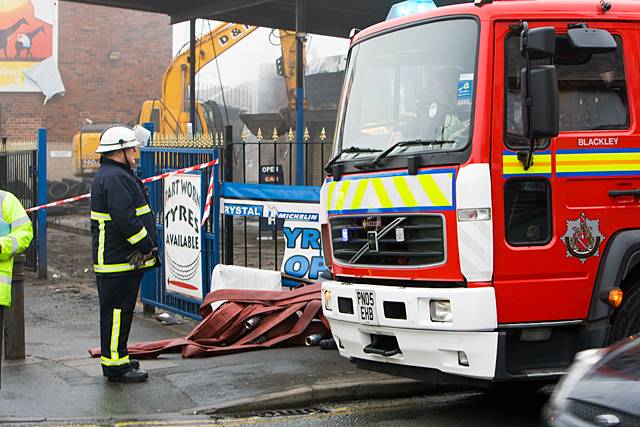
{"x":593,"y":90}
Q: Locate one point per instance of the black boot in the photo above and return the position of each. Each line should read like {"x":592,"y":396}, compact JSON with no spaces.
{"x":131,"y":376}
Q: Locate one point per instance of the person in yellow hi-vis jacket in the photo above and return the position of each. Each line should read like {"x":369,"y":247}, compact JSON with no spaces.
{"x":15,"y":236}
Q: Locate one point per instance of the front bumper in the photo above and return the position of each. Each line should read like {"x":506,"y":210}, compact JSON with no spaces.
{"x":422,"y":342}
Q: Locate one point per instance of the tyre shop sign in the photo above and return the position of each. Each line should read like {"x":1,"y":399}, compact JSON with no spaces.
{"x":303,"y":252}
{"x":182,"y":235}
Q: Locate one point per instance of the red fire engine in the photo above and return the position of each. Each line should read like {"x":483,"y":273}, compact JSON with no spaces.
{"x":481,"y":221}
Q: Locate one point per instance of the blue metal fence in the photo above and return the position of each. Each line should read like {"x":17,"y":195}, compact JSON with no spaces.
{"x":23,"y":171}
{"x":254,"y":245}
{"x":164,"y":156}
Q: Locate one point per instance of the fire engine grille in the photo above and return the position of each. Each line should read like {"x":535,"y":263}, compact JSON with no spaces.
{"x":388,"y":240}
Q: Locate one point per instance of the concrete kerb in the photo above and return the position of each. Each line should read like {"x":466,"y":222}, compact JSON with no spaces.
{"x":293,"y":398}
{"x":320,"y":393}
{"x":132,"y":420}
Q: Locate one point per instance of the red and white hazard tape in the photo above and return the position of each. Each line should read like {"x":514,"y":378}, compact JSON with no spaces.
{"x":146,"y":181}
{"x":181,"y":171}
{"x":207,"y":205}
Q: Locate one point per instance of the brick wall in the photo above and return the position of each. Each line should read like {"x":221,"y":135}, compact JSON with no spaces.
{"x":110,"y":61}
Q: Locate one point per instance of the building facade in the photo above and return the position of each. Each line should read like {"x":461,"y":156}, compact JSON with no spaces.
{"x":110,"y":61}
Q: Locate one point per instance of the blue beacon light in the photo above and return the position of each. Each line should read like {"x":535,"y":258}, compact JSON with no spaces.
{"x":410,"y":7}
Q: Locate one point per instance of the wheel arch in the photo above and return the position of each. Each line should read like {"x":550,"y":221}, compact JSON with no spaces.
{"x":620,"y":261}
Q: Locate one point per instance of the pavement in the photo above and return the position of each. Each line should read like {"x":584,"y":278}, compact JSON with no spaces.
{"x":59,"y":382}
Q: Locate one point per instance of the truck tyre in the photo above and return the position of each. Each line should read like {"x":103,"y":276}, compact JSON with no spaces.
{"x":58,"y":191}
{"x":627,"y":319}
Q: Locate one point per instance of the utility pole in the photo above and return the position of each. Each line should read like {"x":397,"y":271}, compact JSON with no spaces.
{"x":300,"y":39}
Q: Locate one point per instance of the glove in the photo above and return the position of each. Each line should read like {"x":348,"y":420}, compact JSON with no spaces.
{"x":136,"y":259}
{"x":151,"y":255}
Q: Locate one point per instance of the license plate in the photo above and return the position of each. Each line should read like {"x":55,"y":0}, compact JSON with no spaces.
{"x":366,"y":305}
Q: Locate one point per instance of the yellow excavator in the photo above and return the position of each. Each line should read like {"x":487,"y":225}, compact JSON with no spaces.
{"x":170,"y":113}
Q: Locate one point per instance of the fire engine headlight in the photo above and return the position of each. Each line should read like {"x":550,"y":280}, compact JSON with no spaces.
{"x":483,"y":214}
{"x":441,"y":311}
{"x":326,"y":297}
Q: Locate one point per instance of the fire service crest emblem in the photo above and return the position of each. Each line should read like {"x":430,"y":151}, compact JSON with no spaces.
{"x":583,"y":237}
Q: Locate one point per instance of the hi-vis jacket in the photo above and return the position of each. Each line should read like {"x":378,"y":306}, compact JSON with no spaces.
{"x":15,"y":236}
{"x":121,"y":220}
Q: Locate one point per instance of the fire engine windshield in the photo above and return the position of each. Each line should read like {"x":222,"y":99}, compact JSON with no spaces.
{"x":412,"y":84}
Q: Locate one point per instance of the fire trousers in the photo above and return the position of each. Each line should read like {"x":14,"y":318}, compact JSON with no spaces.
{"x":117,"y":301}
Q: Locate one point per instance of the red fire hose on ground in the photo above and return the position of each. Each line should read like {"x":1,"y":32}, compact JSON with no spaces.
{"x":249,"y":320}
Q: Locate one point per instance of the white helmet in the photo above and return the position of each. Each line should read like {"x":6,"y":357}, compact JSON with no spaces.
{"x":117,"y":137}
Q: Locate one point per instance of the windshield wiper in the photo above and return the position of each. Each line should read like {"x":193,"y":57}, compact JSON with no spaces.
{"x":348,"y":150}
{"x":374,"y":163}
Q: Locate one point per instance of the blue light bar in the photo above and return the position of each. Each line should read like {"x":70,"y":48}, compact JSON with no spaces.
{"x":410,"y":7}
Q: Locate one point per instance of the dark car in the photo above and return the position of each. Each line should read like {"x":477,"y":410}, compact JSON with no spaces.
{"x":602,"y":388}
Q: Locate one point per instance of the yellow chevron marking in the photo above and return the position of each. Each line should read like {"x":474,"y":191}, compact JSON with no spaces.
{"x":361,"y":189}
{"x":330,"y":190}
{"x":342,"y":195}
{"x":383,"y":197}
{"x":404,"y":191}
{"x":432,"y":191}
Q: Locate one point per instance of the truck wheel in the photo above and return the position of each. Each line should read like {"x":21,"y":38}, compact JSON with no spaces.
{"x":627,"y":320}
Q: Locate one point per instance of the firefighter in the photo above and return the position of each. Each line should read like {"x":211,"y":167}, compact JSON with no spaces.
{"x":124,"y":246}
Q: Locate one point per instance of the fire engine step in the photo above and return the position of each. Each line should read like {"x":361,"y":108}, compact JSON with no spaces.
{"x":534,"y":373}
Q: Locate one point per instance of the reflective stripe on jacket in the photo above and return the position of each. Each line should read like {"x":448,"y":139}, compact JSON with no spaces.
{"x":121,"y":220}
{"x":15,"y":236}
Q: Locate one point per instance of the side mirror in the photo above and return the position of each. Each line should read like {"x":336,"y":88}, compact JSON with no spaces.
{"x":538,"y":43}
{"x":592,"y":40}
{"x":543,"y":102}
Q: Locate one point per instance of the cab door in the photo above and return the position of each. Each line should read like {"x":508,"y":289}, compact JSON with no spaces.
{"x":552,"y":222}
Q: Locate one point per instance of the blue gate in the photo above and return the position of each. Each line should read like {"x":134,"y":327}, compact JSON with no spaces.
{"x":255,"y":244}
{"x":164,"y":156}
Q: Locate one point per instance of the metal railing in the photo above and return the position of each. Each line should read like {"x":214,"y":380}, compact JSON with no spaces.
{"x":248,"y":241}
{"x":254,"y":242}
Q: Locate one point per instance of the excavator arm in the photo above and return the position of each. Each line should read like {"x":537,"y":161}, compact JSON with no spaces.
{"x":171,"y":112}
{"x":175,"y":82}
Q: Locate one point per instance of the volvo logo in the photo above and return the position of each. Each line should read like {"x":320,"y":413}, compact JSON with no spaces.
{"x":373,"y":223}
